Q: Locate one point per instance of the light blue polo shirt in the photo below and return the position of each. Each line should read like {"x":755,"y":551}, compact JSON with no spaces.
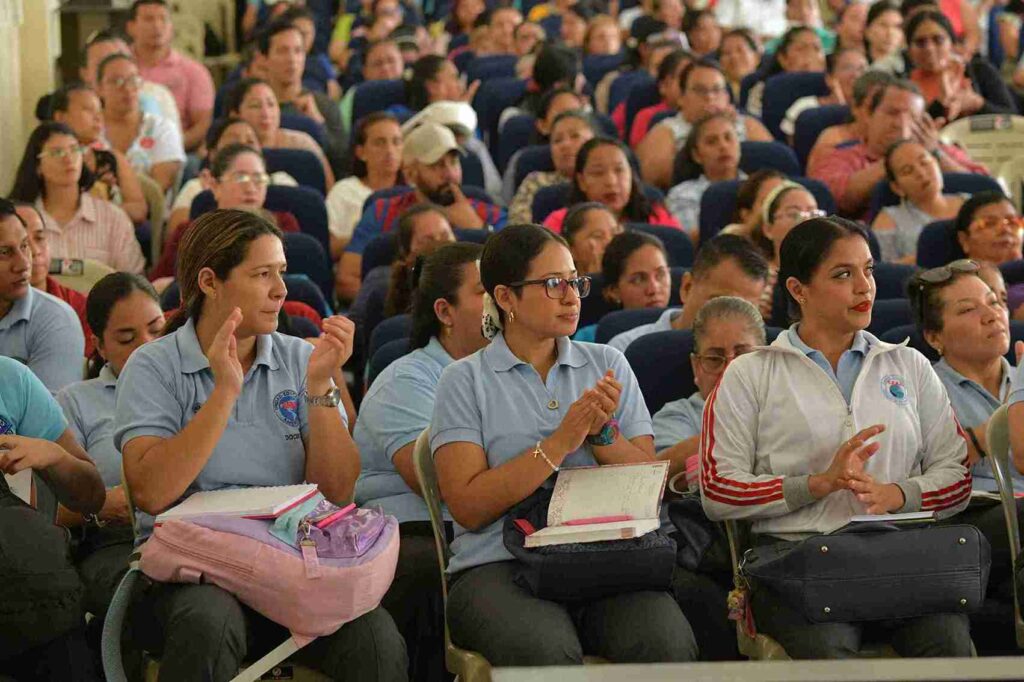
{"x":973,"y":405}
{"x":495,"y":400}
{"x":166,"y":381}
{"x":677,"y":421}
{"x":621,"y":341}
{"x":394,"y":412}
{"x":26,"y":407}
{"x":89,"y":408}
{"x":44,"y":333}
{"x":850,"y":362}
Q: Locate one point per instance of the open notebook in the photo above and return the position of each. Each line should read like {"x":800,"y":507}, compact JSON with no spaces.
{"x":250,"y":503}
{"x":611,"y":502}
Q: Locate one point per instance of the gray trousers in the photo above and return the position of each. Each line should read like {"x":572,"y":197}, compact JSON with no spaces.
{"x":203,"y":634}
{"x":490,"y":614}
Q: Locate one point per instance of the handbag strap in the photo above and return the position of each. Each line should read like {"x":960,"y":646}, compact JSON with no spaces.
{"x":276,"y":656}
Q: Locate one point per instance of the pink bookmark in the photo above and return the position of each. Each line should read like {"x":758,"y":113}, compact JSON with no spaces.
{"x":599,"y":519}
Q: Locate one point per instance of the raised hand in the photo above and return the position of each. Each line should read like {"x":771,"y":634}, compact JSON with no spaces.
{"x":607,"y":393}
{"x":461,"y":212}
{"x":333,"y":349}
{"x":847,"y":462}
{"x":223,"y":355}
{"x":470,"y":92}
{"x":577,"y":422}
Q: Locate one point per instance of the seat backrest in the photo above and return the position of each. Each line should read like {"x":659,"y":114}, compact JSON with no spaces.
{"x":486,"y":67}
{"x":471,"y":235}
{"x":891,"y":280}
{"x":472,"y":169}
{"x":888,"y":314}
{"x":618,"y":321}
{"x":936,"y":245}
{"x":757,"y":155}
{"x":746,"y":83}
{"x":1000,"y":461}
{"x":306,"y":125}
{"x":301,"y":164}
{"x":621,"y":86}
{"x":493,"y":97}
{"x":305,"y":256}
{"x":381,"y":250}
{"x":990,"y":139}
{"x":677,"y":243}
{"x":549,"y":199}
{"x":781,"y":90}
{"x":952,"y":183}
{"x":597,"y":66}
{"x":376,"y":96}
{"x":534,"y":158}
{"x":389,"y":329}
{"x":385,"y":355}
{"x":642,"y":95}
{"x":811,"y":123}
{"x":515,"y":135}
{"x":423,"y":463}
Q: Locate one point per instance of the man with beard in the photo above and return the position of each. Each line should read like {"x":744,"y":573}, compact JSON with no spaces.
{"x":430,"y":163}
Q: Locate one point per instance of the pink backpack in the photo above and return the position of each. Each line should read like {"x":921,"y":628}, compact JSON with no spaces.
{"x":310,"y":595}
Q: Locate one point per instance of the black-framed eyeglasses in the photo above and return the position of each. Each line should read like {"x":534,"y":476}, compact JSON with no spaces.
{"x":713,"y":363}
{"x":556,"y":287}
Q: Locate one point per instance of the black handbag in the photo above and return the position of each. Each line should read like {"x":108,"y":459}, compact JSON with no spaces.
{"x":702,"y":546}
{"x":589,"y":570}
{"x":876,"y":571}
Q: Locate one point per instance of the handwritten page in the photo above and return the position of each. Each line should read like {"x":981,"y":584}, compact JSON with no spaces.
{"x":633,"y":490}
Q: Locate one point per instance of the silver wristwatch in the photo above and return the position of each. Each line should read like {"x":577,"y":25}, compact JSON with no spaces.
{"x":330,"y":399}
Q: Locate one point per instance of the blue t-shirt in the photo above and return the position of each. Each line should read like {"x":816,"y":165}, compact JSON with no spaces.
{"x":850,"y":362}
{"x":678,"y":420}
{"x":44,"y":333}
{"x":394,"y":412}
{"x":26,"y":407}
{"x":973,"y":405}
{"x":498,"y":402}
{"x":165,"y":382}
{"x":89,"y":408}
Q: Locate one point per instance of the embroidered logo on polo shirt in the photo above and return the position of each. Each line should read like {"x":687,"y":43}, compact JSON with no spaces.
{"x":5,"y":426}
{"x":286,"y":406}
{"x":894,"y":389}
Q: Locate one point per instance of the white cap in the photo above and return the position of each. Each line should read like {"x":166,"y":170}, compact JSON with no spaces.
{"x":428,"y":142}
{"x":458,"y":115}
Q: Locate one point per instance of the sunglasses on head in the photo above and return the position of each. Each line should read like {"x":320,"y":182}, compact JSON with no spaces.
{"x":927,"y":278}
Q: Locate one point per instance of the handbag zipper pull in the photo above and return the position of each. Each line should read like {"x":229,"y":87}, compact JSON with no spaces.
{"x":309,"y":555}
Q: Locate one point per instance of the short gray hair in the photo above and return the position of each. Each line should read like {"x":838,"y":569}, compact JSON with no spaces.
{"x":728,"y":306}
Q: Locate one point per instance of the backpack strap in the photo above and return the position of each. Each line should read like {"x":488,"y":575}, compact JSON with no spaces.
{"x":276,"y":656}
{"x":113,"y":626}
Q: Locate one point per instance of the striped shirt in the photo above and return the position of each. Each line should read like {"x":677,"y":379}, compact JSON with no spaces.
{"x":99,"y":231}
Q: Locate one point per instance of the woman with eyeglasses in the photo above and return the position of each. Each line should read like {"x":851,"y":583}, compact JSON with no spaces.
{"x":783,"y":208}
{"x":828,"y":422}
{"x":79,"y":225}
{"x":78,"y":106}
{"x":964,"y":319}
{"x":603,"y":173}
{"x":508,"y":417}
{"x":254,"y":102}
{"x":988,"y":229}
{"x":702,"y":90}
{"x":153,"y":145}
{"x":915,"y":177}
{"x":952,"y":87}
{"x":238,"y":179}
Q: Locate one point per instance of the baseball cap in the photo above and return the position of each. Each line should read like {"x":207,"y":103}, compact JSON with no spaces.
{"x":428,"y":142}
{"x":459,"y":116}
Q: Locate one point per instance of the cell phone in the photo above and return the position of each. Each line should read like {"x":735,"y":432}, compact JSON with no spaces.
{"x":106,"y":162}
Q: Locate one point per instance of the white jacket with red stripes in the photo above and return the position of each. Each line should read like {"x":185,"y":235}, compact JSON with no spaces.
{"x":776,"y":418}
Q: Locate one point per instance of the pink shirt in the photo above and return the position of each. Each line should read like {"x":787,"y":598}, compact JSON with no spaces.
{"x":99,"y":231}
{"x":188,"y":81}
{"x":659,"y":216}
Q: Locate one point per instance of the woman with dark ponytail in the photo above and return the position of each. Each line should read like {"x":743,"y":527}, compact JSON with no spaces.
{"x":223,"y":400}
{"x":446,"y":313}
{"x":123,"y":312}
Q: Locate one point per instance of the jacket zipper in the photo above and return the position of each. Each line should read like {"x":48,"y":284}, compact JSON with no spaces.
{"x":234,"y":565}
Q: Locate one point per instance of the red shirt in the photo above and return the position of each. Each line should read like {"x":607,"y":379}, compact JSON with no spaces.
{"x":659,"y":216}
{"x":76,"y":300}
{"x":167,"y":265}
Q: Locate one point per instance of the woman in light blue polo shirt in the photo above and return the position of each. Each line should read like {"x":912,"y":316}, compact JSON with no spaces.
{"x":446,"y":311}
{"x":504,"y":419}
{"x":223,"y":400}
{"x":960,"y":310}
{"x":123,"y":312}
